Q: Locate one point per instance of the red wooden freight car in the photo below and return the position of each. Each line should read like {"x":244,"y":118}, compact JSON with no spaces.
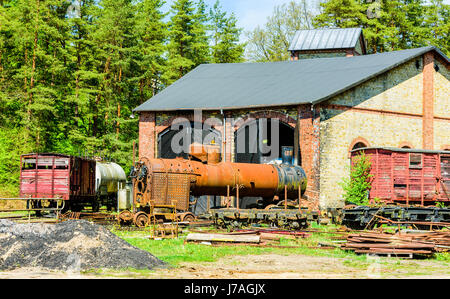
{"x":58,"y":176}
{"x":408,"y":176}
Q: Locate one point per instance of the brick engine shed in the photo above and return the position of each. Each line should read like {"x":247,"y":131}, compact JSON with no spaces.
{"x":326,"y":107}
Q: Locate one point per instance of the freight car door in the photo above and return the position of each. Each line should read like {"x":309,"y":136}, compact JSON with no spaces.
{"x":61,"y":177}
{"x":44,"y":178}
{"x":28,"y":176}
{"x":445,"y":173}
{"x":87,"y":181}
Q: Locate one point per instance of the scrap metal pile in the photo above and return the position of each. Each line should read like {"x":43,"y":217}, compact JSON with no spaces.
{"x":400,"y":244}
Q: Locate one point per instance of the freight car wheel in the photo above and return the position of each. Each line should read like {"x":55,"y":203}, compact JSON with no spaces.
{"x":188,"y":218}
{"x":95,"y":204}
{"x":141,"y":219}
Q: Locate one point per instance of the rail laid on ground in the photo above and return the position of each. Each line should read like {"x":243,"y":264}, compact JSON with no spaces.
{"x":422,"y":217}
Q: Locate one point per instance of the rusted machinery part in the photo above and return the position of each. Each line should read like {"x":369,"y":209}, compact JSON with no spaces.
{"x":138,"y":197}
{"x":141,"y":219}
{"x":270,"y":207}
{"x":142,"y":181}
{"x":140,"y":185}
{"x":205,"y":153}
{"x":71,"y":215}
{"x":126,"y":216}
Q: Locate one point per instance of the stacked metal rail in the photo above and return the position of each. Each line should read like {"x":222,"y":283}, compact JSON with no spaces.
{"x":404,"y":245}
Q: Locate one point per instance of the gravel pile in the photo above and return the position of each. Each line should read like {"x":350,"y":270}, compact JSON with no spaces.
{"x":68,"y":246}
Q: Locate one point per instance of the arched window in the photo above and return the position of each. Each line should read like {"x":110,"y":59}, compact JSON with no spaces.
{"x":356,"y":144}
{"x":175,"y":142}
{"x":405,"y":144}
{"x":359,"y":145}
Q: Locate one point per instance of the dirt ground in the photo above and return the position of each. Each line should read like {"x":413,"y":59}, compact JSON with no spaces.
{"x":271,"y":266}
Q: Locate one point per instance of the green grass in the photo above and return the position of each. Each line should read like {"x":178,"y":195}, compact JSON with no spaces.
{"x":176,"y":251}
{"x":13,"y":214}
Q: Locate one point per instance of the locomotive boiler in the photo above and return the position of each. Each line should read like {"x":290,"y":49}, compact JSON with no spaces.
{"x":171,"y":182}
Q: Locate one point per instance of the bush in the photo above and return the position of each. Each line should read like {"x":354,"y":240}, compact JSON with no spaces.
{"x":13,"y":143}
{"x":357,"y":187}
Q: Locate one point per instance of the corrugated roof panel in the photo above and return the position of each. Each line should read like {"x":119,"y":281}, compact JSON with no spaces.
{"x":320,"y":39}
{"x":316,"y":40}
{"x":246,"y":85}
{"x":331,"y":40}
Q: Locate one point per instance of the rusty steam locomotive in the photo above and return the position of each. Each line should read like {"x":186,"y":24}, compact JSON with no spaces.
{"x":161,"y":184}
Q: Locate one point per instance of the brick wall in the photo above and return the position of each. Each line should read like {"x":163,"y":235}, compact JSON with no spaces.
{"x":441,"y":106}
{"x":309,"y":139}
{"x":147,"y":142}
{"x":428,"y":100}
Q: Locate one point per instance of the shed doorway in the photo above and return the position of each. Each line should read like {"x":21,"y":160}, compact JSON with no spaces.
{"x":182,"y":136}
{"x":261,"y":141}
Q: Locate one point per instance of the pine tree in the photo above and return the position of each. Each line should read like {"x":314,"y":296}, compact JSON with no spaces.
{"x":148,"y":55}
{"x":390,"y":25}
{"x":437,"y":21}
{"x":113,"y":35}
{"x":188,"y":42}
{"x":37,"y":33}
{"x":225,"y":36}
{"x":82,"y":92}
{"x":72,"y":71}
{"x":200,"y":46}
{"x":3,"y":25}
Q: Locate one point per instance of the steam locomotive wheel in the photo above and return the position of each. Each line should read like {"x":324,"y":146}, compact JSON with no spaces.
{"x":125,"y":217}
{"x":141,"y":219}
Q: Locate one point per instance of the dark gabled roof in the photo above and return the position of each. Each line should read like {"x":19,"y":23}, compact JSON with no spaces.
{"x":323,"y":39}
{"x":248,"y":85}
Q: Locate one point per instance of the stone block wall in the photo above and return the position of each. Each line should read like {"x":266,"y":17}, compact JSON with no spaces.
{"x":441,"y":107}
{"x":391,"y":110}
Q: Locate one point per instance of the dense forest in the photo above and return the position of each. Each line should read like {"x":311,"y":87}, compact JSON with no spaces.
{"x":71,"y":72}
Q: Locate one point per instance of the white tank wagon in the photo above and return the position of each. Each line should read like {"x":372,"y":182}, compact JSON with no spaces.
{"x":111,"y":186}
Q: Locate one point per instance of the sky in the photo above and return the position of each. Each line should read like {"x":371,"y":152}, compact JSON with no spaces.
{"x":249,"y":13}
